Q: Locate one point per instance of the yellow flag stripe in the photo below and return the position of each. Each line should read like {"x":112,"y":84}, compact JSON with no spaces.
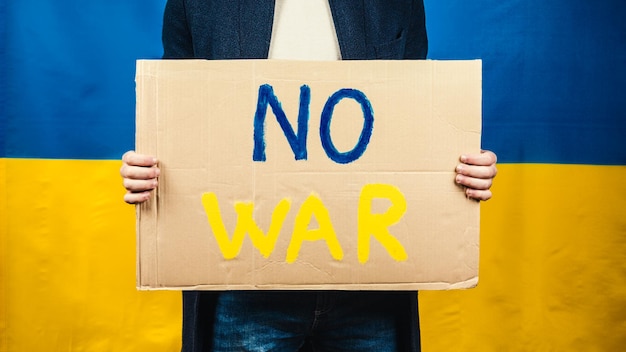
{"x":552,"y":266}
{"x":68,"y":263}
{"x":552,"y":269}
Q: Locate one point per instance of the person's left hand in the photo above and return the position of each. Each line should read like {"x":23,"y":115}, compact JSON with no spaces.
{"x":476,"y":173}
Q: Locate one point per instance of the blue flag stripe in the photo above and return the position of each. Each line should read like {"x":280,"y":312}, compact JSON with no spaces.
{"x":553,"y":84}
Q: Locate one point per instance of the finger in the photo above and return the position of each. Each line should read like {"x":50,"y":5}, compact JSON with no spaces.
{"x":136,"y":198}
{"x":485,"y":158}
{"x":478,"y":194}
{"x":474,"y":183}
{"x":139,"y":185}
{"x":483,"y":172}
{"x":139,"y":172}
{"x":133,"y":159}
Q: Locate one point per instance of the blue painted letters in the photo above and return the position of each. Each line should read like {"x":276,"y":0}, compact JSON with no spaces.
{"x":366,"y":132}
{"x":298,"y":141}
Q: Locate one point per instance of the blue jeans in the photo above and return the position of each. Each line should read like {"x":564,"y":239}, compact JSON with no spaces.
{"x":327,"y":321}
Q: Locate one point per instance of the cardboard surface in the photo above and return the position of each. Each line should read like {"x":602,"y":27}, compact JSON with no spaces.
{"x":370,"y":204}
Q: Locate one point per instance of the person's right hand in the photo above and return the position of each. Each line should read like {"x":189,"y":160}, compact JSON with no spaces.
{"x":140,"y":175}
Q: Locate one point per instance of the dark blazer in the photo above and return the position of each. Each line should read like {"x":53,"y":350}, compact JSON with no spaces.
{"x":241,"y":29}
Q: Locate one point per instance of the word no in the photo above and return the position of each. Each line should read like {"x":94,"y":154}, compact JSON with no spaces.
{"x":297,"y":141}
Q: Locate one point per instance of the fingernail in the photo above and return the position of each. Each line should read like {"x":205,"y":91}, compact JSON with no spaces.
{"x":463,"y":158}
{"x":459,"y":168}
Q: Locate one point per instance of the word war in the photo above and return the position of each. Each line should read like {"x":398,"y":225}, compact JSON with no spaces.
{"x":368,"y":224}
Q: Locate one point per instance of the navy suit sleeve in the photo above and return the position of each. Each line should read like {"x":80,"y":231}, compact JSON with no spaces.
{"x":176,"y":35}
{"x":417,"y":39}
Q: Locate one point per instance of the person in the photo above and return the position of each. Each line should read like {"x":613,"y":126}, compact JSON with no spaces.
{"x":316,"y":30}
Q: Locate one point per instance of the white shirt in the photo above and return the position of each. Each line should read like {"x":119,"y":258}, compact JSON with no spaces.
{"x":303,"y":30}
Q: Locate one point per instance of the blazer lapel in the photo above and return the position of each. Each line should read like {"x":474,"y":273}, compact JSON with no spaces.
{"x":348,"y":17}
{"x":255,"y":27}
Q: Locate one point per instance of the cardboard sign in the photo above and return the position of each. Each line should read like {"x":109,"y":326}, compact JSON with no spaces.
{"x":308,"y":175}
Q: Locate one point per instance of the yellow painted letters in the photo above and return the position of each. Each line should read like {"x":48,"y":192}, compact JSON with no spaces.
{"x":245,"y":224}
{"x":376,"y":225}
{"x":313,"y":206}
{"x":369,"y":225}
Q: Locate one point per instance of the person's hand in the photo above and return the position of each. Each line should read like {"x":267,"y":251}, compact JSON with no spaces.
{"x":140,"y":176}
{"x":476,"y":173}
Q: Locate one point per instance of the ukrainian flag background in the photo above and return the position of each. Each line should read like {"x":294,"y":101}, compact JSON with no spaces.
{"x":553,"y":239}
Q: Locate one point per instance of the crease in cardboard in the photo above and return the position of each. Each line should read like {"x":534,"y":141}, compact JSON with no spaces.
{"x":433,"y":285}
{"x":437,"y":114}
{"x":359,"y":173}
